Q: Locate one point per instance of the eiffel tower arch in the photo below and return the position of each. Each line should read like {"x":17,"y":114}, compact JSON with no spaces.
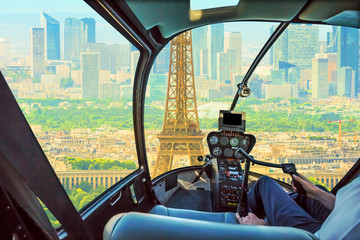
{"x":181,"y":134}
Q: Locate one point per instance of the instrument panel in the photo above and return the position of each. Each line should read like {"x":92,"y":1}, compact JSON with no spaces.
{"x":223,"y":146}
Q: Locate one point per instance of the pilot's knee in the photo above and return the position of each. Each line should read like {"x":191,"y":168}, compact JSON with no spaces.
{"x":265,"y":180}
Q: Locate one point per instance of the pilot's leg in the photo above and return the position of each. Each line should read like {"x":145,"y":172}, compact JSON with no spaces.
{"x":313,"y":207}
{"x":267,"y":198}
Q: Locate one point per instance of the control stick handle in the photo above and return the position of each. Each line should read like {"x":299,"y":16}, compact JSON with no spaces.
{"x":290,"y":169}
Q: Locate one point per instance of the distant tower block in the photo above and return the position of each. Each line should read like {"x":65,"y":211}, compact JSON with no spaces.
{"x":181,"y":133}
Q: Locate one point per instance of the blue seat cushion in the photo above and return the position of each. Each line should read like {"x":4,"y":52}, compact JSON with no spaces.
{"x":221,"y":217}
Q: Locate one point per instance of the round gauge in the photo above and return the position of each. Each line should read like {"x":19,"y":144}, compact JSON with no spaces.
{"x":245,"y":142}
{"x":224,"y":141}
{"x":238,"y":155}
{"x":217,"y":151}
{"x":234,"y":142}
{"x":228,"y":152}
{"x":214,"y":140}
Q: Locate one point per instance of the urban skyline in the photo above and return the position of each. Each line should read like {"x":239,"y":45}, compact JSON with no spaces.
{"x":218,"y":55}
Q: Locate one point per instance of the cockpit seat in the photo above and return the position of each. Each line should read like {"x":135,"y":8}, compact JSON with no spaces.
{"x":139,"y":226}
{"x":221,"y":217}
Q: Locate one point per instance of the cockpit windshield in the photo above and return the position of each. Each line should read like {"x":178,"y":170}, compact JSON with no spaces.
{"x":302,"y":109}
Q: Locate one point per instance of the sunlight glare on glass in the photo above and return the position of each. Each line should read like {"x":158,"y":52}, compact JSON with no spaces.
{"x":207,"y":4}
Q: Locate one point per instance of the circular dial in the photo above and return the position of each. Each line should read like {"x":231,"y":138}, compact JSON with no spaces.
{"x":214,"y":140}
{"x":217,"y":151}
{"x":234,"y":142}
{"x":228,"y":152}
{"x":238,"y":155}
{"x":224,"y":141}
{"x":245,"y":142}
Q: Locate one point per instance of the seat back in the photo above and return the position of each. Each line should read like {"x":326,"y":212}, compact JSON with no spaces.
{"x":139,"y":226}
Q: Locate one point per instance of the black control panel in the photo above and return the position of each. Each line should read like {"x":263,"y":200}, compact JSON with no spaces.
{"x":223,"y":146}
{"x":230,"y":180}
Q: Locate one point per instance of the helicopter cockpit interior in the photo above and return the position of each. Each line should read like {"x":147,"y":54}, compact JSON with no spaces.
{"x":135,"y":119}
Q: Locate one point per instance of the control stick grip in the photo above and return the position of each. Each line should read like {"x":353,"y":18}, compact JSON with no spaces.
{"x":291,"y":169}
{"x":299,"y":187}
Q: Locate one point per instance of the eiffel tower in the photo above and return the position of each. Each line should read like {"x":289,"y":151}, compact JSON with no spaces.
{"x":181,"y":134}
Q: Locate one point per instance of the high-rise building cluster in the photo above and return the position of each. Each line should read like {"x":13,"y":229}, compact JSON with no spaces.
{"x":300,"y":64}
{"x":86,"y":69}
{"x":318,"y":69}
{"x":217,"y":56}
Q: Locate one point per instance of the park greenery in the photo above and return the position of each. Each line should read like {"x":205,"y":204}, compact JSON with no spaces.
{"x":80,"y":196}
{"x":99,"y":164}
{"x":59,"y":114}
{"x":83,"y":194}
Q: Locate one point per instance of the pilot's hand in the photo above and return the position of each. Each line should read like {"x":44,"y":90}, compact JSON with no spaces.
{"x":309,"y":187}
{"x":250,"y":219}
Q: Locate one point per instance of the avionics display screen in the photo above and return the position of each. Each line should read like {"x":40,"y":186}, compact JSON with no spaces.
{"x":232,"y":119}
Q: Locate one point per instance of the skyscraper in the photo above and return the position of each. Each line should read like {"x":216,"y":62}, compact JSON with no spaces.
{"x":223,"y":69}
{"x":346,"y":82}
{"x":279,"y":50}
{"x":52,"y":36}
{"x":320,"y":84}
{"x":332,"y":40}
{"x":303,"y":42}
{"x":77,"y":33}
{"x":233,"y":40}
{"x":89,"y":24}
{"x":225,"y":72}
{"x":332,"y":73}
{"x":199,"y":44}
{"x":348,"y":51}
{"x":215,"y":44}
{"x":90,"y":75}
{"x":73,"y":38}
{"x":297,"y":45}
{"x":37,"y":52}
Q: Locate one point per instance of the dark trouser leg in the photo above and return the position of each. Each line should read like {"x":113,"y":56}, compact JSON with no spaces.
{"x":267,"y":198}
{"x":311,"y":206}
